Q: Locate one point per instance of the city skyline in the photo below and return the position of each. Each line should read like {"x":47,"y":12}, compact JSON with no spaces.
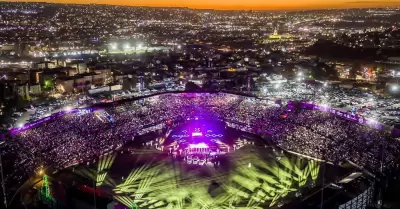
{"x":239,"y":5}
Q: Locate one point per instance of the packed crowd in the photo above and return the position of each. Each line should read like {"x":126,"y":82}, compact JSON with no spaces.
{"x":75,"y":137}
{"x":318,"y":134}
{"x":361,"y":102}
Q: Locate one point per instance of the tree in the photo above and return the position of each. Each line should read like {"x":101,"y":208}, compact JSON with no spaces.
{"x":230,"y":85}
{"x":355,"y":70}
{"x":190,"y":86}
{"x":87,"y":84}
{"x":207,"y":85}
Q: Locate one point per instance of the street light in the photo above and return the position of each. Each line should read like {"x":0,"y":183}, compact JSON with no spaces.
{"x":127,"y":46}
{"x":114,"y":46}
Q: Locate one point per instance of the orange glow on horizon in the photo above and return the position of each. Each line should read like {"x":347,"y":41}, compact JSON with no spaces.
{"x":240,"y":5}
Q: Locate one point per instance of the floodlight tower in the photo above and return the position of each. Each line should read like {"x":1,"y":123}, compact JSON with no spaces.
{"x":248,"y":83}
{"x":141,"y":83}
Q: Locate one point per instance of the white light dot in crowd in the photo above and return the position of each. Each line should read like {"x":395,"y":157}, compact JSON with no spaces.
{"x":265,"y":90}
{"x":325,"y":84}
{"x":395,"y":88}
{"x":20,"y":125}
{"x":277,"y":86}
{"x":300,"y":73}
{"x":324,"y":105}
{"x":68,"y":109}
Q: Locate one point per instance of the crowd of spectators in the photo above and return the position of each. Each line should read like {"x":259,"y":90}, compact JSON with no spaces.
{"x":75,"y":137}
{"x":362,"y":102}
